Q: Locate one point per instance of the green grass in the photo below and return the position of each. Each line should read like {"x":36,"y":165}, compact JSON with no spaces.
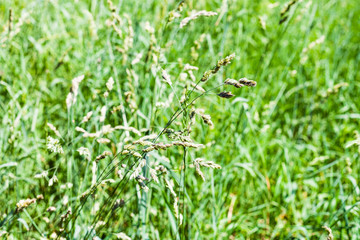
{"x":286,"y":168}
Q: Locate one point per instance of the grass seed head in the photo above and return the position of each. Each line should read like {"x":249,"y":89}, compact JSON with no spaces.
{"x":226,"y":95}
{"x":204,"y":13}
{"x":247,"y":82}
{"x":233,"y":82}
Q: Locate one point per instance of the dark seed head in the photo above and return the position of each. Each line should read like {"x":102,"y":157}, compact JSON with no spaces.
{"x":226,"y":95}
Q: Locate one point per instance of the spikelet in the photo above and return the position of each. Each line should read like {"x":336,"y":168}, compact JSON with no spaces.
{"x":87,"y":117}
{"x":103,"y":140}
{"x":110,"y":84}
{"x":220,"y":63}
{"x":330,"y":234}
{"x":22,"y":204}
{"x":188,"y":67}
{"x":71,"y":97}
{"x":166,"y":77}
{"x":103,"y":114}
{"x":197,"y":87}
{"x":122,"y":236}
{"x":207,"y":120}
{"x":53,"y":128}
{"x":129,"y":129}
{"x":285,"y":10}
{"x":226,"y":95}
{"x":154,"y":175}
{"x":136,"y":59}
{"x":116,"y":109}
{"x":53,"y":180}
{"x":172,"y":15}
{"x":83,"y":151}
{"x":233,"y":82}
{"x":43,"y":174}
{"x":247,"y":82}
{"x":51,"y":209}
{"x":138,"y":169}
{"x":335,"y":89}
{"x":200,"y":162}
{"x":142,"y":142}
{"x":204,"y":13}
{"x":103,"y":155}
{"x":54,"y":145}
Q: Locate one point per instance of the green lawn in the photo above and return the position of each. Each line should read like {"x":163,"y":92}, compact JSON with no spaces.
{"x":288,"y":148}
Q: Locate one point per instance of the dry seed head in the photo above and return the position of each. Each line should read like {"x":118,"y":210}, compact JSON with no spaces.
{"x":223,"y":62}
{"x":137,"y":59}
{"x":187,"y":144}
{"x":122,"y":236}
{"x":226,"y":95}
{"x":166,"y":77}
{"x":71,"y":97}
{"x":103,"y":155}
{"x":170,"y":186}
{"x":204,"y":13}
{"x":116,"y":109}
{"x":129,"y":147}
{"x":87,"y":117}
{"x":197,"y":87}
{"x":79,"y":129}
{"x":287,"y":7}
{"x":209,"y":164}
{"x":198,"y":170}
{"x":247,"y":82}
{"x":153,"y":175}
{"x":129,"y":129}
{"x":110,"y":84}
{"x":106,"y":129}
{"x":192,"y":76}
{"x":149,"y":149}
{"x":207,"y":120}
{"x":103,"y":140}
{"x":136,"y":154}
{"x":188,"y":67}
{"x":53,"y":128}
{"x":54,"y":145}
{"x":147,"y":137}
{"x":172,"y":15}
{"x":138,"y":170}
{"x":226,"y":61}
{"x":330,"y":235}
{"x":51,"y":209}
{"x":142,"y":142}
{"x":83,"y":151}
{"x":53,"y":180}
{"x":233,"y":82}
{"x":111,"y":6}
{"x":66,"y":215}
{"x":103,"y":114}
{"x":24,"y":204}
{"x":42,"y":175}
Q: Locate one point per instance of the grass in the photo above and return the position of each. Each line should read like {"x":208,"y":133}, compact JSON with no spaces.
{"x":287,"y":166}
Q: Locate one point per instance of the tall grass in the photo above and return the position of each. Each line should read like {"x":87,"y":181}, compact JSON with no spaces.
{"x":83,"y":82}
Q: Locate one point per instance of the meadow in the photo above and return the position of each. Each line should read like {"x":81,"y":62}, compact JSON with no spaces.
{"x":209,"y":119}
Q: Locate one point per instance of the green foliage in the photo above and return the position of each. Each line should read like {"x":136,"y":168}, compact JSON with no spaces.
{"x":287,"y":166}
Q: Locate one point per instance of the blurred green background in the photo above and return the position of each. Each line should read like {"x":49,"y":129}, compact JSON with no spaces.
{"x":288,"y":149}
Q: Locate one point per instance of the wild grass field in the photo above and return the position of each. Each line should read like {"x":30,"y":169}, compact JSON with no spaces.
{"x":140,"y":119}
